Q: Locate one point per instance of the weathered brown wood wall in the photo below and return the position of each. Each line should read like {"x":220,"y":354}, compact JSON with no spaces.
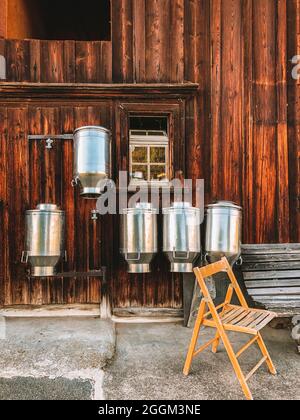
{"x":242,"y":128}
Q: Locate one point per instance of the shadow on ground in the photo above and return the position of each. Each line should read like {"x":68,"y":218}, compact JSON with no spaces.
{"x":19,"y":388}
{"x":54,"y":358}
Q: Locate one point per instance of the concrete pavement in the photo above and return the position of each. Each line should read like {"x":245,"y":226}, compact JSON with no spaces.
{"x":54,"y":358}
{"x":88,"y":358}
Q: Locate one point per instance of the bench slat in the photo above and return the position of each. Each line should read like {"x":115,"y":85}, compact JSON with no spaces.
{"x":271,"y":257}
{"x":282,"y":307}
{"x":289,"y":299}
{"x":272,"y":283}
{"x":287,"y":274}
{"x":270,"y":249}
{"x":270,"y":266}
{"x":275,"y":291}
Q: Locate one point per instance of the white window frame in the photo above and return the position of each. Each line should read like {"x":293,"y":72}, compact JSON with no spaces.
{"x":147,"y":139}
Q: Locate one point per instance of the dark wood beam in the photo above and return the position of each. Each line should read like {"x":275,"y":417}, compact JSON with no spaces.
{"x":48,"y":91}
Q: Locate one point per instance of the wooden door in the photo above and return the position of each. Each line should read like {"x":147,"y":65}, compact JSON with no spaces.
{"x":32,"y":174}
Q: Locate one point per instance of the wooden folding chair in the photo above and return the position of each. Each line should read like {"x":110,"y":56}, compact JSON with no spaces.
{"x":227,"y":317}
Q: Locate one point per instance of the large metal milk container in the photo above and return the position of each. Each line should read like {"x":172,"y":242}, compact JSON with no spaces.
{"x":223,"y":231}
{"x":181,"y":236}
{"x":44,"y":239}
{"x":92,"y":159}
{"x":139,"y":237}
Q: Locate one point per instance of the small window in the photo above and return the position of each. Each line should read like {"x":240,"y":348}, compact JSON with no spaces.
{"x":149,"y":150}
{"x":149,"y":156}
{"x":151,"y":141}
{"x":59,"y":20}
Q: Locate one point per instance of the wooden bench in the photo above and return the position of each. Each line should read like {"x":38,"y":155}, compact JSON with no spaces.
{"x":272,"y":276}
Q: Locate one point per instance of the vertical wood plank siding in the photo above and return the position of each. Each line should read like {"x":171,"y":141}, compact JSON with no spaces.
{"x":293,"y":111}
{"x":242,"y":131}
{"x":58,"y":61}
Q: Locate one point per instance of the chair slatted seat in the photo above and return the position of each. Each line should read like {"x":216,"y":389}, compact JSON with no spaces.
{"x":248,"y":318}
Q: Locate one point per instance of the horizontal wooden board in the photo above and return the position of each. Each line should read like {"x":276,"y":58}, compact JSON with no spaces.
{"x":275,"y":291}
{"x":270,"y":266}
{"x":284,"y":274}
{"x":88,"y":91}
{"x":148,"y":312}
{"x":290,"y":300}
{"x":257,"y":249}
{"x":273,"y":257}
{"x":283,"y":308}
{"x":272,"y":283}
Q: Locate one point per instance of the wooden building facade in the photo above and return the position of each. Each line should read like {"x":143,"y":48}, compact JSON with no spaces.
{"x":220,"y":70}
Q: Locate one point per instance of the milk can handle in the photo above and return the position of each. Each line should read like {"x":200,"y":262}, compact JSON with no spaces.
{"x":239,"y":262}
{"x":181,"y":258}
{"x":133,"y":259}
{"x":74,"y":181}
{"x":24,"y":257}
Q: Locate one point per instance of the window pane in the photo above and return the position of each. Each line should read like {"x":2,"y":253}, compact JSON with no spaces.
{"x":139,"y":154}
{"x":157,"y":155}
{"x":158,"y":173}
{"x":140,"y":172}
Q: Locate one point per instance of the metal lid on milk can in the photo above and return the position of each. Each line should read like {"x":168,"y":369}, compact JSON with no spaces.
{"x":142,"y":207}
{"x":92,"y":128}
{"x":181,"y":206}
{"x":46,"y":207}
{"x":224,"y":204}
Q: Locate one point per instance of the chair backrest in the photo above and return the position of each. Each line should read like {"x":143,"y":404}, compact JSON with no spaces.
{"x":217,"y":267}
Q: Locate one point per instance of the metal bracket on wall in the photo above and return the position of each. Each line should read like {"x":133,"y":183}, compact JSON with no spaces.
{"x":76,"y":274}
{"x":95,"y":215}
{"x":50,"y":139}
